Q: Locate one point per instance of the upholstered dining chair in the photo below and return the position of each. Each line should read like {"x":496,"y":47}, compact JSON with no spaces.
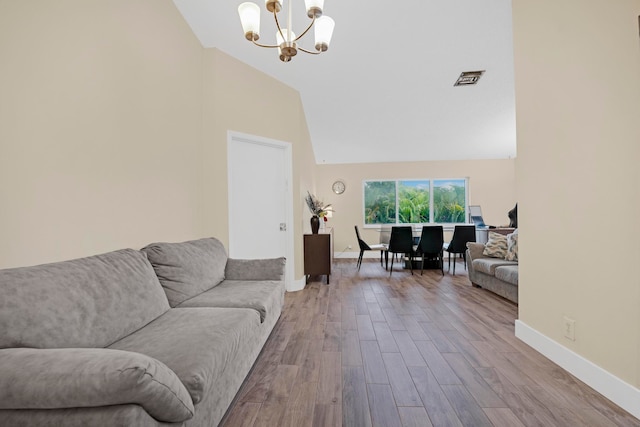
{"x":458,"y":244}
{"x":430,"y":245}
{"x":401,"y":242}
{"x":365,"y":247}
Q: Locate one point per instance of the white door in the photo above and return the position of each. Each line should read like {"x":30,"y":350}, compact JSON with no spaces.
{"x":260,"y":198}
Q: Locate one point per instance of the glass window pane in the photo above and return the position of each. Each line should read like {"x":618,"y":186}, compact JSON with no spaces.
{"x":413,"y":202}
{"x":379,"y":202}
{"x":449,"y":201}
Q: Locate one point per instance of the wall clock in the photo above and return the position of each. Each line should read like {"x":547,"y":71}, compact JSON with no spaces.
{"x":338,"y":187}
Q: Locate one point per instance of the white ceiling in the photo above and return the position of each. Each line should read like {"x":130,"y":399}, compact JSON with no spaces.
{"x":384,"y":89}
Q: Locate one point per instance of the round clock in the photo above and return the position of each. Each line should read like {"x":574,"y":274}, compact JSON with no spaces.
{"x":338,"y":187}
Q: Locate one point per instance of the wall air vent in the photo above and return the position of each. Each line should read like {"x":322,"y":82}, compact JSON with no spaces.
{"x":468,"y":78}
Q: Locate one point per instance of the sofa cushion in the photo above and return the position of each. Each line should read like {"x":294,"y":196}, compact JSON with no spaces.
{"x":266,"y":297}
{"x":255,"y":269}
{"x":117,"y":415}
{"x":508,"y":273}
{"x":496,"y":246}
{"x":489,"y":265}
{"x":206,"y":347}
{"x":189,"y":268}
{"x":512,"y":246}
{"x":87,"y":302}
{"x":90,"y":377}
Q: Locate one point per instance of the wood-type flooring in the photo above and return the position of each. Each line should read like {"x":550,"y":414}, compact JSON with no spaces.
{"x":408,"y":350}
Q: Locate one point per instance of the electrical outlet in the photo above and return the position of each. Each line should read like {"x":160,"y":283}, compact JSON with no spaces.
{"x":349,"y":247}
{"x":569,"y":327}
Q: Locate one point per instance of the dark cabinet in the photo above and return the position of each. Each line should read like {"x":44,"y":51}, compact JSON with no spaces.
{"x":318,"y":253}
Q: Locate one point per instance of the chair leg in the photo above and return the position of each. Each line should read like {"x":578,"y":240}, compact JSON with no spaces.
{"x":441,"y":264}
{"x":411,"y":262}
{"x":391,"y":269}
{"x":454,"y":265}
{"x":360,"y":259}
{"x":422,"y":265}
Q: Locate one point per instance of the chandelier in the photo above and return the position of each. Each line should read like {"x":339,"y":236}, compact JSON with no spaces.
{"x":285,"y":38}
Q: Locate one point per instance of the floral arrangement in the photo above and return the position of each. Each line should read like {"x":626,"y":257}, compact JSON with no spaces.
{"x":317,"y":207}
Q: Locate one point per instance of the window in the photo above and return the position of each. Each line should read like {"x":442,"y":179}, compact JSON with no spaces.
{"x":449,"y":200}
{"x":413,"y":202}
{"x":442,"y":201}
{"x":380,"y":202}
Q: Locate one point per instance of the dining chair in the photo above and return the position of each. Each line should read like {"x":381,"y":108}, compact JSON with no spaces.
{"x":430,"y":245}
{"x":366,"y":247}
{"x":401,"y":242}
{"x":458,"y":244}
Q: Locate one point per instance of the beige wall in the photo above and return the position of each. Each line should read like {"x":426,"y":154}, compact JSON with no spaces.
{"x":577,"y":65}
{"x":99,"y":128}
{"x":492,"y":186}
{"x":113,"y":129}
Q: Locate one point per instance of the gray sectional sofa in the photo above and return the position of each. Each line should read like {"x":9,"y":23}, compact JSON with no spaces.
{"x":163,"y":336}
{"x":494,"y":274}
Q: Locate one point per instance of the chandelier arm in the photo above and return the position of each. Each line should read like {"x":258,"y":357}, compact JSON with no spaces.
{"x":308,"y":51}
{"x":307,"y":30}
{"x":263,"y":45}
{"x":275,"y":16}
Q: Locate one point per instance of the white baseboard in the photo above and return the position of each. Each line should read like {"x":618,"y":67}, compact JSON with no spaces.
{"x":350,"y":254}
{"x":354,"y":255}
{"x":296,"y":285}
{"x":613,"y":388}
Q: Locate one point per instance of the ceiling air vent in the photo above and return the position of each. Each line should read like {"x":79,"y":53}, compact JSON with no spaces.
{"x":468,"y":78}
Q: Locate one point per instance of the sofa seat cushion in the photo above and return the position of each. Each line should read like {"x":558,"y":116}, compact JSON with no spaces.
{"x":86,"y":302}
{"x":203,"y":346}
{"x":489,"y":265}
{"x":508,"y":273}
{"x":266,"y":297}
{"x":91,"y":377}
{"x":189,"y":268}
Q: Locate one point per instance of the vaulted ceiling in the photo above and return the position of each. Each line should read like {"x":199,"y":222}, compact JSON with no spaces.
{"x":384,"y":91}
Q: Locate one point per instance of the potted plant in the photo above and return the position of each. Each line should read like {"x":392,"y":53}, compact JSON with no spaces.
{"x":318,"y":211}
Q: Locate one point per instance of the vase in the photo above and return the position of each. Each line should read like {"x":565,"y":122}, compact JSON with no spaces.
{"x":315,"y":224}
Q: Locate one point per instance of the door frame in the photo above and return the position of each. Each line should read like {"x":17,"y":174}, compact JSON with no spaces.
{"x":235,"y":137}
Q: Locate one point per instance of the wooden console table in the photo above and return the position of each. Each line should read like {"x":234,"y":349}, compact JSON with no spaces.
{"x":318,"y":253}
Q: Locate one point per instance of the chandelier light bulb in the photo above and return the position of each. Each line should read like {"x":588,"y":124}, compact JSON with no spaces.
{"x":287,"y":47}
{"x":323,"y":30}
{"x":250,"y":20}
{"x":314,"y":8}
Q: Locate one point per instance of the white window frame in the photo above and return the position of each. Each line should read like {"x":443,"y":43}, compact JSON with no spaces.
{"x":431,"y":210}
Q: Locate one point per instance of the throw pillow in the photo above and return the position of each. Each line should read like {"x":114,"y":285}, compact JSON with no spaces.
{"x":496,"y":247}
{"x":512,"y":246}
{"x":189,"y":268}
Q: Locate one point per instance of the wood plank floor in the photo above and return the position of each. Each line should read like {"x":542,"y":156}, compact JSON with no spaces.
{"x":408,"y":350}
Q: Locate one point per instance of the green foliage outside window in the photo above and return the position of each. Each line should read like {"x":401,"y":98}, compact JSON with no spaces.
{"x":449,"y":201}
{"x":418,"y":202}
{"x":413,"y":201}
{"x":380,"y":202}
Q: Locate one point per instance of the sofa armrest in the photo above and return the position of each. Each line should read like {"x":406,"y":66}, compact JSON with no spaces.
{"x":91,"y":377}
{"x":475,"y":250}
{"x":255,"y":269}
